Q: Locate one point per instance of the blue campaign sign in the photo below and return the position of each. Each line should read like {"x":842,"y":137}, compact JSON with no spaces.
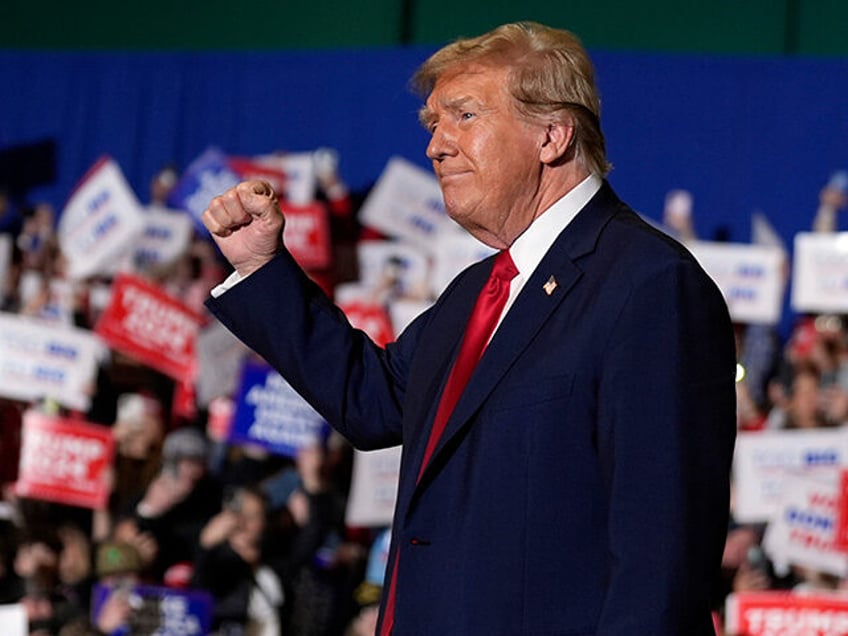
{"x":270,"y":413}
{"x":205,"y":178}
{"x":157,"y":611}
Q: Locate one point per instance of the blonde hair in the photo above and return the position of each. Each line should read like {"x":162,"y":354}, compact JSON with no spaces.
{"x":549,"y":72}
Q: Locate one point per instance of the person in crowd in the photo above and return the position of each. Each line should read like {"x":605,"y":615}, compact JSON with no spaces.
{"x":180,"y":499}
{"x":599,"y":419}
{"x":248,"y":594}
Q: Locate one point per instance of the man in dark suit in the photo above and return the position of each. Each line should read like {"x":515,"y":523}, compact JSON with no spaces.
{"x":578,"y":481}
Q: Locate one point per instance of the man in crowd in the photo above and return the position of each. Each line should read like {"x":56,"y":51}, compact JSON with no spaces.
{"x":567,"y":424}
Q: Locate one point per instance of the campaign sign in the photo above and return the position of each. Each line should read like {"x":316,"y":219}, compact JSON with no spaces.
{"x":44,"y":360}
{"x":13,"y":620}
{"x":147,"y":324}
{"x":248,"y":170}
{"x":751,"y":278}
{"x":205,"y":178}
{"x":453,"y":253}
{"x":406,"y":203}
{"x":804,"y":532}
{"x":101,"y":221}
{"x":165,"y":238}
{"x":778,"y":613}
{"x":394,"y":269}
{"x":841,"y":539}
{"x":307,"y":234}
{"x":64,"y":461}
{"x":373,"y":488}
{"x":370,"y":317}
{"x":763,"y":461}
{"x":820,"y":273}
{"x":271,"y":414}
{"x":299,"y":169}
{"x":158,"y":611}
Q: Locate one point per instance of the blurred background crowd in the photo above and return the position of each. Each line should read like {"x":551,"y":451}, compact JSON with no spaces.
{"x":265,"y":535}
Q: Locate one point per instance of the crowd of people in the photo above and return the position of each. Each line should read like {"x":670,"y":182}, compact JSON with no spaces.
{"x":265,"y":535}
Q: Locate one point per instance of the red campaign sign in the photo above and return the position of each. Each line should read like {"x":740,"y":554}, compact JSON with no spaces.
{"x":307,"y":234}
{"x":147,"y":324}
{"x":840,"y":541}
{"x":64,"y":461}
{"x":776,"y":613}
{"x":248,"y":170}
{"x":370,"y":318}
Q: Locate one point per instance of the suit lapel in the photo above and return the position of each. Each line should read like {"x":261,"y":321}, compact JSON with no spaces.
{"x":532,"y":308}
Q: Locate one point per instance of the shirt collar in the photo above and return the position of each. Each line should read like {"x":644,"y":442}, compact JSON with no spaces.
{"x":528,"y":249}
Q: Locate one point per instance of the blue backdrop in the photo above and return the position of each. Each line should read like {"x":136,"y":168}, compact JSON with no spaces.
{"x":742,"y":134}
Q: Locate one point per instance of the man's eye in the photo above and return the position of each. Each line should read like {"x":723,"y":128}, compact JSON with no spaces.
{"x":466,"y":116}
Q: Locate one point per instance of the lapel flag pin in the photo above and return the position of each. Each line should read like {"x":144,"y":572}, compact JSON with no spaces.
{"x":550,"y":286}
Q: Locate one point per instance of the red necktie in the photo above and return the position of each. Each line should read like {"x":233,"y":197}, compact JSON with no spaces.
{"x":487,"y":310}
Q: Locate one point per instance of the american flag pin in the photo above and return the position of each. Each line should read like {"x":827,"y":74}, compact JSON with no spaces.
{"x":550,"y":286}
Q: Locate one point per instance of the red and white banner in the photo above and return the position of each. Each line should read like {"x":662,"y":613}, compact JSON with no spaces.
{"x":248,"y":169}
{"x":786,"y":614}
{"x":64,"y":461}
{"x":147,"y":324}
{"x":370,"y":318}
{"x":44,"y":360}
{"x":841,"y":538}
{"x":307,"y":234}
{"x":101,"y":221}
{"x":803,"y":533}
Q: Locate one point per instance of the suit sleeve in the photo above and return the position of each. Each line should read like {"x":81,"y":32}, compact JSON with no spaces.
{"x":355,"y":385}
{"x":665,"y":439}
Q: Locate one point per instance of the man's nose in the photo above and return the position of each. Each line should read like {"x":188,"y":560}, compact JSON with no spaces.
{"x":442,"y":143}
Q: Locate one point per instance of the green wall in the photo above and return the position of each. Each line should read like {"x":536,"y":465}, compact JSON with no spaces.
{"x":809,"y":27}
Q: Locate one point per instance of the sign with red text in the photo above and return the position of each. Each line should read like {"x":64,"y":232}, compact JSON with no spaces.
{"x":307,"y":234}
{"x":841,"y":539}
{"x":820,"y":272}
{"x":101,"y":221}
{"x":776,"y":613}
{"x":764,"y":460}
{"x":147,"y":324}
{"x":41,"y":360}
{"x":750,"y":277}
{"x":64,"y":461}
{"x":373,"y":488}
{"x":804,"y":532}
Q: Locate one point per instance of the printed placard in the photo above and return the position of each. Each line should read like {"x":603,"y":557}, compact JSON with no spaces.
{"x":64,"y":461}
{"x":271,"y":414}
{"x":164,"y":239}
{"x":763,"y":460}
{"x":248,"y":170}
{"x":804,"y":532}
{"x":158,"y":611}
{"x":13,"y":620}
{"x":205,"y":178}
{"x":46,"y":360}
{"x":373,"y":489}
{"x":147,"y":324}
{"x":751,"y":278}
{"x":394,"y":269}
{"x":778,"y":613}
{"x":406,"y":203}
{"x":453,"y":253}
{"x":299,"y":169}
{"x":307,"y":234}
{"x":101,"y":221}
{"x":820,"y":273}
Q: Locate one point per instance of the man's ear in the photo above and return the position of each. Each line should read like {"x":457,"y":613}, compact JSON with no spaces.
{"x":559,"y":137}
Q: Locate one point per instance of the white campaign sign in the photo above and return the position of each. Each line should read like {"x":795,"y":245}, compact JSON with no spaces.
{"x":820,"y":273}
{"x":452,"y":254}
{"x":45,"y":360}
{"x":751,"y":278}
{"x":764,"y":460}
{"x":13,"y":620}
{"x":165,"y":237}
{"x":804,"y":531}
{"x":406,"y":203}
{"x":373,"y":489}
{"x":101,"y":221}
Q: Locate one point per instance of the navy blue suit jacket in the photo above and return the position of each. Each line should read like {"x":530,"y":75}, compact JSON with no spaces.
{"x":581,"y":485}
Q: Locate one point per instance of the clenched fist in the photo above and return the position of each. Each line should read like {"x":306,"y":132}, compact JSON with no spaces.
{"x":247,"y":225}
